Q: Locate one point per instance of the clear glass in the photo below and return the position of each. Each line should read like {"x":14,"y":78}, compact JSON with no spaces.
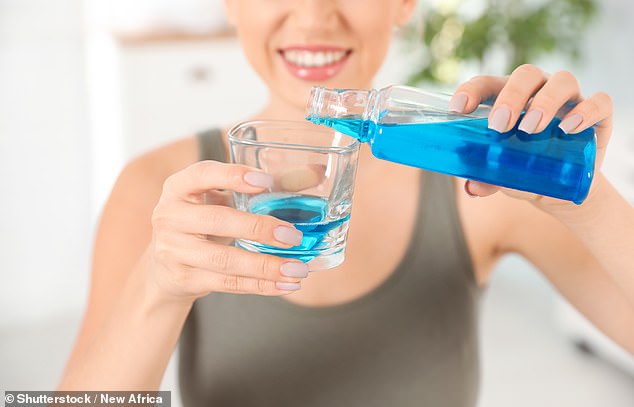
{"x":412,"y":127}
{"x":314,"y":170}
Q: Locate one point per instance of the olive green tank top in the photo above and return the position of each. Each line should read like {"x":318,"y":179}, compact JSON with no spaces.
{"x":412,"y":341}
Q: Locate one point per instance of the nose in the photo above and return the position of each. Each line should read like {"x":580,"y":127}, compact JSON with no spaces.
{"x":314,"y":15}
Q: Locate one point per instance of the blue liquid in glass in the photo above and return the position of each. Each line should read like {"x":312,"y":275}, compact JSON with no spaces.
{"x":550,"y":163}
{"x":309,"y":214}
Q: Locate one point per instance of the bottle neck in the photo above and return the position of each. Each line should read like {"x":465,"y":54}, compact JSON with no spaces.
{"x":350,"y":112}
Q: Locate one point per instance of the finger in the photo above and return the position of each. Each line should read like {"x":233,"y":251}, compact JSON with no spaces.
{"x":523,"y":83}
{"x":198,"y":280}
{"x":561,"y":88}
{"x":208,"y":175}
{"x":479,"y":189}
{"x":221,"y":198}
{"x":224,"y":221}
{"x":595,"y":110}
{"x":234,"y":260}
{"x":470,"y":94}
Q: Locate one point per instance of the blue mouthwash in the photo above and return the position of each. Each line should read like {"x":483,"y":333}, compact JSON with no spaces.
{"x":407,"y":126}
{"x":309,"y":214}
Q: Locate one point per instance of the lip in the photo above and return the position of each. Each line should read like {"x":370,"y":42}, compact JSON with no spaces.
{"x":313,"y":74}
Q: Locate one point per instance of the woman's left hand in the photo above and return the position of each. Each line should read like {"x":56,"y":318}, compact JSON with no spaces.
{"x":542,"y":96}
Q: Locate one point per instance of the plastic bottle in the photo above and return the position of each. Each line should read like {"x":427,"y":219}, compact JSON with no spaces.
{"x":408,"y":126}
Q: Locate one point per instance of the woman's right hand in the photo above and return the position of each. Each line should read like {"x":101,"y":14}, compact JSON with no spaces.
{"x":190,"y":253}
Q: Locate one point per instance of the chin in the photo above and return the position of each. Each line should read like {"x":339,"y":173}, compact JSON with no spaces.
{"x":295,"y":92}
{"x":296,"y":96}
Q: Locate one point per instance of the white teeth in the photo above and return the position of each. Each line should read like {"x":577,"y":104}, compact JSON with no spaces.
{"x":309,"y":59}
{"x":319,"y":59}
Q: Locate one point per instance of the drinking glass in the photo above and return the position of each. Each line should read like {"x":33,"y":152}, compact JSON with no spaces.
{"x":313,"y":168}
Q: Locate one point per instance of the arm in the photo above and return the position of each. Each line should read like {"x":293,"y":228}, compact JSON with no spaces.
{"x":604,"y":223}
{"x":114,"y":313}
{"x":575,"y":271}
{"x":158,"y":249}
{"x":586,"y":250}
{"x":130,"y":348}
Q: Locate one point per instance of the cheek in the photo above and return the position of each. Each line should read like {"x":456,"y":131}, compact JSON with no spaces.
{"x":254,"y":52}
{"x":257,"y":22}
{"x":372,"y":30}
{"x":253,"y":41}
{"x":374,"y":46}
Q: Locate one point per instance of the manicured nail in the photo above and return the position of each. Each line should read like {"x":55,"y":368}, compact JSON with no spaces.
{"x":571,"y":122}
{"x":530,"y":121}
{"x":458,"y":103}
{"x":259,"y":179}
{"x":500,"y":119}
{"x":287,"y":235}
{"x":294,"y":269}
{"x":288,"y":286}
{"x":466,"y":189}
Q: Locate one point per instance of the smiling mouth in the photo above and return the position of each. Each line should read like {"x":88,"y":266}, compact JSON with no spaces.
{"x":314,"y":59}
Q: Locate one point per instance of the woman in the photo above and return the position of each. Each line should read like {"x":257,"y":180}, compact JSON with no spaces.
{"x":396,"y":323}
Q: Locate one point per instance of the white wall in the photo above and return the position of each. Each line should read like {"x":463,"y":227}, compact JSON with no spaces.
{"x":610,"y":62}
{"x":610,"y":52}
{"x":44,"y":160}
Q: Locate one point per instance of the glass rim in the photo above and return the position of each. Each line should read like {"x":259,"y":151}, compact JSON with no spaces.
{"x":289,"y":124}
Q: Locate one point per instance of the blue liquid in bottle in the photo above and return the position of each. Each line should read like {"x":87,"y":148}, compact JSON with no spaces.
{"x":550,"y":163}
{"x":309,"y":215}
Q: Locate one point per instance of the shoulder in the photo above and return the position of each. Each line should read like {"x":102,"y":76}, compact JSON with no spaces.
{"x":165,"y":160}
{"x":158,"y":164}
{"x":140,"y":183}
{"x":126,"y":216}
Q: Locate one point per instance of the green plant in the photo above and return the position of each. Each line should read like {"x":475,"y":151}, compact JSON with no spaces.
{"x":520,"y":30}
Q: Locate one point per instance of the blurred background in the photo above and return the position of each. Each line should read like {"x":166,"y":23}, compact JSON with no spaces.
{"x":87,"y":85}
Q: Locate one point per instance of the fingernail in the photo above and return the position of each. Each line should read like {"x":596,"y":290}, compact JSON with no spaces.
{"x":294,"y":269}
{"x":570,"y":123}
{"x":458,"y":103}
{"x":258,"y":179}
{"x":530,"y":121}
{"x":288,"y":286}
{"x":284,"y":234}
{"x":500,"y":119}
{"x":466,"y":189}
